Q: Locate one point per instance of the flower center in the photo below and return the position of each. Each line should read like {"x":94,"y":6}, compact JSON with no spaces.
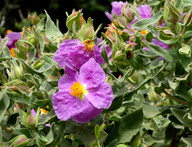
{"x":144,"y":32}
{"x":78,"y":90}
{"x":89,"y":45}
{"x":12,"y":52}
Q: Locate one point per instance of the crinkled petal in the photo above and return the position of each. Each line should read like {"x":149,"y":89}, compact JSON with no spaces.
{"x":67,"y":51}
{"x":87,"y":115}
{"x":65,"y":82}
{"x":144,"y":11}
{"x":100,"y":97}
{"x":91,"y":74}
{"x":116,"y":7}
{"x":12,"y":39}
{"x":67,"y":106}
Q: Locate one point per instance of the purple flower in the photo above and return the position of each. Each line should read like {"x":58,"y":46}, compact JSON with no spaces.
{"x":12,"y":39}
{"x":82,"y":95}
{"x":116,"y":9}
{"x":74,"y":53}
{"x":159,"y":43}
{"x":144,"y":11}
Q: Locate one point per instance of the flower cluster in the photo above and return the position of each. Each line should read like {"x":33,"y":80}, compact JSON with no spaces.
{"x":123,"y":17}
{"x":83,"y":92}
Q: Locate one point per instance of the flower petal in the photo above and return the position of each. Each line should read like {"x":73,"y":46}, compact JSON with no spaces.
{"x":13,"y":38}
{"x":66,"y":51}
{"x":65,"y":82}
{"x":100,"y":97}
{"x":144,"y":11}
{"x":91,"y":74}
{"x":86,"y":116}
{"x":66,"y":106}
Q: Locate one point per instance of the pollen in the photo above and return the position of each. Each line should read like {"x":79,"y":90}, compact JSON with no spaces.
{"x":78,"y":90}
{"x":89,"y":45}
{"x":43,"y":111}
{"x":12,"y":52}
{"x":144,"y":32}
{"x":9,"y":31}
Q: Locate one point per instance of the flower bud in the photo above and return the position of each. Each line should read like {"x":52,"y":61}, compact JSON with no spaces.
{"x":127,"y":12}
{"x":171,"y":14}
{"x":28,"y":120}
{"x":120,"y":21}
{"x":19,"y":141}
{"x":187,"y":18}
{"x":34,"y":19}
{"x":166,"y":34}
{"x":31,"y":39}
{"x":76,"y":18}
{"x":38,"y":64}
{"x":185,"y":50}
{"x":87,"y":30}
{"x":16,"y":71}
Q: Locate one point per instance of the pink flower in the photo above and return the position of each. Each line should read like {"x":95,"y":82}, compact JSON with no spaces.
{"x":82,"y":95}
{"x":74,"y":53}
{"x":12,"y":39}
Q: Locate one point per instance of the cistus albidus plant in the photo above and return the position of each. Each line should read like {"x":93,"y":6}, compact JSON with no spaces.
{"x":129,"y":86}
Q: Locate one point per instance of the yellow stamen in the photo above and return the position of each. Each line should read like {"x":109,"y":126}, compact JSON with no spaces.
{"x":89,"y":45}
{"x":12,"y":52}
{"x":43,"y":111}
{"x":144,"y":32}
{"x":78,"y":90}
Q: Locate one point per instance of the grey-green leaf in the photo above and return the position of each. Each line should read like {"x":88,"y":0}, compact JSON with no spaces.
{"x":144,"y":23}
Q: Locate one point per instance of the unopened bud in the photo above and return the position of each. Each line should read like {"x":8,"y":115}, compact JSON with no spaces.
{"x":38,"y":64}
{"x":28,"y":120}
{"x":34,"y":19}
{"x":185,"y":50}
{"x":75,"y":18}
{"x":19,"y":141}
{"x":16,"y":71}
{"x":187,"y":18}
{"x":166,"y":34}
{"x":87,"y":30}
{"x":31,"y":39}
{"x":127,"y":12}
{"x":120,"y":21}
{"x":171,"y":14}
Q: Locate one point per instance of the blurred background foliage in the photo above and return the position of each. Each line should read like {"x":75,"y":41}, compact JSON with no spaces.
{"x":14,"y":13}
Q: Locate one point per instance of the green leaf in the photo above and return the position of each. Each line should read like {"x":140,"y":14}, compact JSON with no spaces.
{"x":43,"y":119}
{"x":160,"y":51}
{"x":98,"y":129}
{"x":150,"y":111}
{"x":51,"y":31}
{"x":117,"y":102}
{"x":186,"y":3}
{"x":104,"y":55}
{"x":187,"y":141}
{"x":41,"y":140}
{"x":182,"y":90}
{"x":130,"y":125}
{"x":4,"y":104}
{"x":144,"y":23}
{"x":3,"y":45}
{"x":182,"y":116}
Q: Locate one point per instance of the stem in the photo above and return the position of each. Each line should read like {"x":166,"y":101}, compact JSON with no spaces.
{"x":98,"y":143}
{"x":174,"y":98}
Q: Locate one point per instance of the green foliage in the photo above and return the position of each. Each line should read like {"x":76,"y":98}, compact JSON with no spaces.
{"x":152,"y":97}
